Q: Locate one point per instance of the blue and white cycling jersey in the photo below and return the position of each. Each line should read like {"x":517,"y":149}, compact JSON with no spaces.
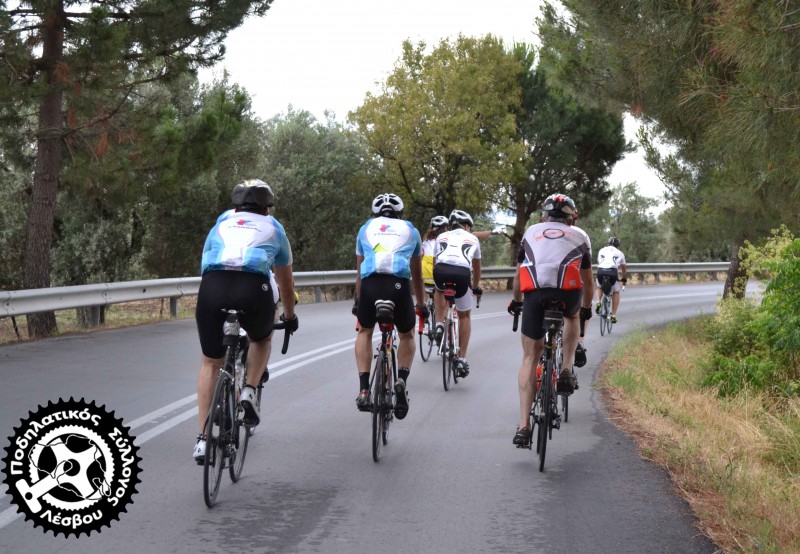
{"x":387,"y":246}
{"x":244,"y":241}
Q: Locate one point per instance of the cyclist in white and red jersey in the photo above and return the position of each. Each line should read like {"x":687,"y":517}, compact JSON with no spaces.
{"x":555,"y":264}
{"x":458,"y":261}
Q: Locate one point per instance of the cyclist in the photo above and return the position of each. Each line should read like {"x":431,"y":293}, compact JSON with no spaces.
{"x":555,"y":263}
{"x":458,"y":260}
{"x":242,"y":250}
{"x":389,"y":263}
{"x":610,"y":260}
{"x":438,"y":225}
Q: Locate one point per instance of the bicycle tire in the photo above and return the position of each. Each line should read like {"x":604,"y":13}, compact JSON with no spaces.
{"x":378,"y":397}
{"x":453,"y":349}
{"x":215,"y":442}
{"x":609,"y":323}
{"x":388,"y":413}
{"x":240,"y":434}
{"x":545,"y":421}
{"x":446,"y":368}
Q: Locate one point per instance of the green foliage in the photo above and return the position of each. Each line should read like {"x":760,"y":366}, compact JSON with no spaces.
{"x":442,"y":130}
{"x":14,"y":197}
{"x":759,"y":346}
{"x":317,"y":173}
{"x":627,"y":217}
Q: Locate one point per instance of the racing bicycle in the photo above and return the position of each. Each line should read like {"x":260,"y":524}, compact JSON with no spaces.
{"x":449,"y":347}
{"x":427,"y":328}
{"x":606,"y":304}
{"x":227,"y":436}
{"x":383,"y":378}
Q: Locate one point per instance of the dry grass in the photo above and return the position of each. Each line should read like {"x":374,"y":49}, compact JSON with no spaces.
{"x":736,"y":461}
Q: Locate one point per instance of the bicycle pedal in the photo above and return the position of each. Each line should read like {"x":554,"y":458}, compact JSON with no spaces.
{"x":557,"y":422}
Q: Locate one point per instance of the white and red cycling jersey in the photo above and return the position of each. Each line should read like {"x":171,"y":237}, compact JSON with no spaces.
{"x":551,"y":257}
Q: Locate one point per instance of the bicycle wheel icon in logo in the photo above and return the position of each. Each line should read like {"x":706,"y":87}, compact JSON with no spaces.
{"x":71,"y":467}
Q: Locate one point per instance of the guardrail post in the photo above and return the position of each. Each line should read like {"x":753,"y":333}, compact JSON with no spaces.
{"x":173,"y":307}
{"x":94,"y":316}
{"x":317,"y":294}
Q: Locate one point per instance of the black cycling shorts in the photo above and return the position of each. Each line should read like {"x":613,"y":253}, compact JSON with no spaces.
{"x":607,"y":278}
{"x":533,"y":308}
{"x":233,"y":290}
{"x":386,"y":287}
{"x":461,"y":277}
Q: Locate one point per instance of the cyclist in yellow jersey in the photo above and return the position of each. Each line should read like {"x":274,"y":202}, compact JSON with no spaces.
{"x":439,"y":225}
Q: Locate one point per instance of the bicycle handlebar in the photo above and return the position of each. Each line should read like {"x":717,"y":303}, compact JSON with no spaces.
{"x":583,"y":324}
{"x":286,"y":334}
{"x":516,"y":323}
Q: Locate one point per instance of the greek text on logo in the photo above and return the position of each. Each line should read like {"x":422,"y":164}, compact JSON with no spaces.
{"x":71,"y":467}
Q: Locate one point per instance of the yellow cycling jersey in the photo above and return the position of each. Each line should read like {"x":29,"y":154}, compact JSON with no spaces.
{"x":427,"y":261}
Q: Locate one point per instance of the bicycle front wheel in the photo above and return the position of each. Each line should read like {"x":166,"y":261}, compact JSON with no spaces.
{"x":378,"y":406}
{"x":426,"y":339}
{"x":241,"y":438}
{"x":216,"y":431}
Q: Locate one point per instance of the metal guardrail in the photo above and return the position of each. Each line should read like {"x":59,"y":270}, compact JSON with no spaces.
{"x":21,"y":302}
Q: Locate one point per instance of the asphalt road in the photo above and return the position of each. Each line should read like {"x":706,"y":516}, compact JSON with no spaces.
{"x":450,"y":478}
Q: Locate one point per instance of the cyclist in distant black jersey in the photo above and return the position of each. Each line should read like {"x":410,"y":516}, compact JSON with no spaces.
{"x":555,"y":264}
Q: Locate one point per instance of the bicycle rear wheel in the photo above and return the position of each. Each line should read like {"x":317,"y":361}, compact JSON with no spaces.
{"x":446,"y":353}
{"x":453,"y":345}
{"x":378,"y":406}
{"x":609,"y":323}
{"x":216,"y":432}
{"x":546,"y":416}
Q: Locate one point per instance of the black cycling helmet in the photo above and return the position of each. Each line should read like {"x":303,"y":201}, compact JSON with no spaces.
{"x":437,"y":222}
{"x":613,"y":241}
{"x":387,"y":205}
{"x":252,"y":194}
{"x":560,"y":206}
{"x":460,"y":217}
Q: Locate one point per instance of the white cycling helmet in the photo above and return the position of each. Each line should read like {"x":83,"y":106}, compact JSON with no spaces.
{"x":388,"y":204}
{"x":253,"y":193}
{"x":460,"y":217}
{"x":438,"y":221}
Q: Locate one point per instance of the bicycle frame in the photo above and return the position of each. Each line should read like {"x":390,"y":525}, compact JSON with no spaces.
{"x":544,"y":410}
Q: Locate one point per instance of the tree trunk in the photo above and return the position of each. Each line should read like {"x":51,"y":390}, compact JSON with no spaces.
{"x":48,"y":166}
{"x":736,"y":282}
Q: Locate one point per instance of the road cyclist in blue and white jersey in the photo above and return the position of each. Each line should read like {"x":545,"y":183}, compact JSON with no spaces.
{"x":457,"y":260}
{"x":242,"y":250}
{"x":389,"y":264}
{"x":555,"y":264}
{"x":611,"y":262}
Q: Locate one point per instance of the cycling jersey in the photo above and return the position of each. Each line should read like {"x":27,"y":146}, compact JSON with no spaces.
{"x":552,"y":255}
{"x":610,"y":257}
{"x":428,"y":249}
{"x":457,"y":247}
{"x":387,"y":246}
{"x":245,"y":241}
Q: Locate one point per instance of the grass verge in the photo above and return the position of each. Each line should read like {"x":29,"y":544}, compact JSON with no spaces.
{"x":735,"y":460}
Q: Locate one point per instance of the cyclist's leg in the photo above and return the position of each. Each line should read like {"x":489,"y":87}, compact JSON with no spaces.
{"x":462,"y":278}
{"x":615,"y":297}
{"x":211,"y":299}
{"x":572,"y":300}
{"x":532,"y":347}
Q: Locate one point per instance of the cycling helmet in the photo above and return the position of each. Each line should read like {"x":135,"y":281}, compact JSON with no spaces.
{"x":252,"y":193}
{"x":613,"y":241}
{"x":438,"y":221}
{"x":461,"y":218}
{"x":388,"y":205}
{"x":559,"y":206}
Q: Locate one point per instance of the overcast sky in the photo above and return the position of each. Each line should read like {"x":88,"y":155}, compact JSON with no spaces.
{"x":319,"y":55}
